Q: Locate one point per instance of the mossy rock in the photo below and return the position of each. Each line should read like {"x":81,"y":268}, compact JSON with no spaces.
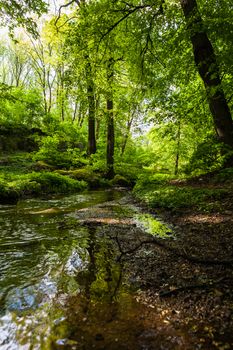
{"x":94,"y":180}
{"x":57,"y":183}
{"x":5,"y":161}
{"x":42,"y":166}
{"x":119,"y":180}
{"x":87,"y":175}
{"x":8,"y":195}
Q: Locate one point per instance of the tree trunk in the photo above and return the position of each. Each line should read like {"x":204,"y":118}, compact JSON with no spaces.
{"x":110,"y":139}
{"x":110,"y":121}
{"x":208,"y":69}
{"x":91,"y":110}
{"x":177,"y":150}
{"x":126,"y":136}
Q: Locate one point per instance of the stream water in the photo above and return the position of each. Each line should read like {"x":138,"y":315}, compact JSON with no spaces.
{"x":61,"y":285}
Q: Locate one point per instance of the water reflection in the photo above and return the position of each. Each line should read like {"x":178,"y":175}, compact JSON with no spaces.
{"x":44,"y":258}
{"x":61,"y":285}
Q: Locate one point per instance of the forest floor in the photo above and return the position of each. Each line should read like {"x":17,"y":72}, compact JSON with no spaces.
{"x":189,"y":280}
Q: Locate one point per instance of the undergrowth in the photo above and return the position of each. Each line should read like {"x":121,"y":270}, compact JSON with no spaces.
{"x":159,"y":192}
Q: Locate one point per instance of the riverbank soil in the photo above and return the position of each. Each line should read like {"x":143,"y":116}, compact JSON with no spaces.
{"x":189,"y":280}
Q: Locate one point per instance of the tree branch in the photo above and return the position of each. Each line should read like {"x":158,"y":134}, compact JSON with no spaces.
{"x":64,"y":6}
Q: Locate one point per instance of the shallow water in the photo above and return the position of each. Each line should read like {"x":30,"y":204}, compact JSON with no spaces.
{"x":61,"y":284}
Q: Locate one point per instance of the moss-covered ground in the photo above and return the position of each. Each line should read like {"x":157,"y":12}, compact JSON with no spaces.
{"x":21,"y":176}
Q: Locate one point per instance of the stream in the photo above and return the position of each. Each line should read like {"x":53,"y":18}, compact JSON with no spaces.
{"x":62,"y":284}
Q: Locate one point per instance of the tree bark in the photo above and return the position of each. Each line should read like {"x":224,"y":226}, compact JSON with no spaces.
{"x":110,"y":121}
{"x":177,"y":150}
{"x":91,"y":109}
{"x":126,"y":136}
{"x":208,"y":69}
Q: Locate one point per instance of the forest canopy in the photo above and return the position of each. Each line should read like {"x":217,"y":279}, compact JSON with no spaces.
{"x":115,"y":85}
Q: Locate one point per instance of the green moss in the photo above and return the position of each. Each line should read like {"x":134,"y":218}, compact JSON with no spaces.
{"x":84,"y":174}
{"x":42,"y":166}
{"x":128,"y":171}
{"x":8,"y":195}
{"x":12,"y":165}
{"x":35,"y":184}
{"x":153,"y":226}
{"x":56,"y":183}
{"x":120,"y":181}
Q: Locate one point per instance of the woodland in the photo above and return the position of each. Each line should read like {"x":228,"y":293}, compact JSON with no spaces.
{"x":111,"y":94}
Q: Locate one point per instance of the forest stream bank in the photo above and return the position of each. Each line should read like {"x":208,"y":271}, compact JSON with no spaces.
{"x":96,"y":270}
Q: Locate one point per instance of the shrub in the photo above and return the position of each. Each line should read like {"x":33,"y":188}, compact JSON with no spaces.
{"x":54,"y":153}
{"x":207,"y":157}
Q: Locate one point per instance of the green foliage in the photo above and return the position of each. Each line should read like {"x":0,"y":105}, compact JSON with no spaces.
{"x":129,"y":171}
{"x":224,"y":175}
{"x":14,"y":164}
{"x":18,"y":137}
{"x":18,"y":180}
{"x":17,"y":13}
{"x":98,"y":163}
{"x":21,"y":106}
{"x":208,"y":156}
{"x":49,"y":151}
{"x":161,"y":115}
{"x":54,"y":152}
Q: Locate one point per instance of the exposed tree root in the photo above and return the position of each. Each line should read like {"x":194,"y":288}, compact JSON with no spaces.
{"x":175,"y":291}
{"x":190,"y":258}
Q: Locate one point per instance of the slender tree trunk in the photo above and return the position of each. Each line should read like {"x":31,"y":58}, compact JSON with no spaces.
{"x":62,"y":95}
{"x":75,"y":110}
{"x":110,"y":121}
{"x":208,"y":69}
{"x":126,"y":136}
{"x":97,"y":134}
{"x":45,"y":100}
{"x":110,"y":139}
{"x":98,"y":118}
{"x":91,"y":109}
{"x":177,"y":150}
